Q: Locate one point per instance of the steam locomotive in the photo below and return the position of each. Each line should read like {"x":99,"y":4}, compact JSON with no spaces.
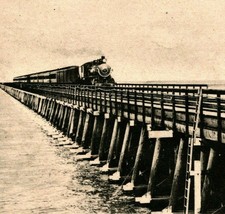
{"x":95,"y":72}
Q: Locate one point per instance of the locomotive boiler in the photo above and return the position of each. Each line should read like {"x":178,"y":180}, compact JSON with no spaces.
{"x":95,"y":72}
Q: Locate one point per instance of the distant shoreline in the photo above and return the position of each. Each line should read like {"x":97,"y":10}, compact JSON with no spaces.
{"x":214,"y":84}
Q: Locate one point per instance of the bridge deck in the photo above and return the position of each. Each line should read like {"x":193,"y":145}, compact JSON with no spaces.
{"x":111,"y":123}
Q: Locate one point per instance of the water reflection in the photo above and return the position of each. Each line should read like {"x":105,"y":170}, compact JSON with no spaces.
{"x":38,"y":177}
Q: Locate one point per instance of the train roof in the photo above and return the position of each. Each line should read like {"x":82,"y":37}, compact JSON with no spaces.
{"x":68,"y":67}
{"x":42,"y":72}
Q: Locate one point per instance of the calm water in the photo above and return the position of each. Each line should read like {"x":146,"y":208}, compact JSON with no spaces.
{"x":38,"y":177}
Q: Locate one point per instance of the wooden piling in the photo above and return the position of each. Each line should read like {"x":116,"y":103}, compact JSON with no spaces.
{"x":105,"y":138}
{"x":43,"y":107}
{"x":61,"y":116}
{"x":80,"y":127}
{"x":86,"y":135}
{"x":96,"y":134}
{"x":126,"y":140}
{"x":67,"y":124}
{"x":113,"y":142}
{"x":56,"y":114}
{"x":31,"y":101}
{"x":108,"y":164}
{"x":46,"y":108}
{"x":208,"y":183}
{"x":53,"y":109}
{"x":139,"y":153}
{"x":36,"y":103}
{"x":135,"y":173}
{"x":64,"y":118}
{"x":119,"y":140}
{"x":155,"y":166}
{"x":71,"y":122}
{"x":204,"y":156}
{"x":40,"y":105}
{"x":179,"y":175}
{"x":74,"y":128}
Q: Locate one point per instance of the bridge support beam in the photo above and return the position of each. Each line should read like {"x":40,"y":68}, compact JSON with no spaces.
{"x":80,"y":127}
{"x":148,"y":196}
{"x":105,"y":137}
{"x":105,"y":140}
{"x":207,"y":185}
{"x":71,"y":122}
{"x":105,"y":168}
{"x":126,"y":141}
{"x":178,"y":178}
{"x":87,"y":132}
{"x":130,"y":186}
{"x":96,"y":134}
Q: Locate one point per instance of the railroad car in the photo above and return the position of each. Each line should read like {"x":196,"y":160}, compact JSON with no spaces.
{"x":95,"y":72}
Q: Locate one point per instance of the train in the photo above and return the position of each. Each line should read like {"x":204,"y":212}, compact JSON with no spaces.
{"x":96,"y":72}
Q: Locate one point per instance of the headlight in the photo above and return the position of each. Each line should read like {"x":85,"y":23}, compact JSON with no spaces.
{"x":104,"y":70}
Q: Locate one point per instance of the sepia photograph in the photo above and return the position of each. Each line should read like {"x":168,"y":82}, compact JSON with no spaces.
{"x":112,"y":107}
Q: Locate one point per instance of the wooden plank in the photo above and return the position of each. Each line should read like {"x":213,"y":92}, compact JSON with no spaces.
{"x":160,"y":134}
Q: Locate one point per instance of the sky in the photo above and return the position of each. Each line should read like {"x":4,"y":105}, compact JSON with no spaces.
{"x":143,"y":40}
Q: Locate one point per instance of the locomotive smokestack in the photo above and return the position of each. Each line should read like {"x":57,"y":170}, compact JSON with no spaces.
{"x":103,"y":59}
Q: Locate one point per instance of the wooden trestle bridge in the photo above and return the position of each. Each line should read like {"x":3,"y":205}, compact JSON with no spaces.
{"x":162,"y":142}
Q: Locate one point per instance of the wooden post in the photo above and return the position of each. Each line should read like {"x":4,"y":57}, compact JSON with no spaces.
{"x":55,"y":113}
{"x":47,"y":108}
{"x":104,"y":137}
{"x":58,"y":115}
{"x":56,"y":108}
{"x":71,"y":122}
{"x":80,"y":127}
{"x":61,"y":116}
{"x":31,"y":102}
{"x":147,"y":197}
{"x":75,"y":122}
{"x":96,"y":134}
{"x":127,"y":137}
{"x":113,"y":141}
{"x":48,"y":102}
{"x":155,"y":164}
{"x":43,"y":106}
{"x":85,"y":130}
{"x":179,"y":175}
{"x":67,"y":125}
{"x":130,"y":186}
{"x":207,"y":185}
{"x":88,"y":127}
{"x":36,"y":104}
{"x":204,"y":156}
{"x":112,"y":146}
{"x":39,"y":105}
{"x":51,"y":110}
{"x":64,"y":118}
